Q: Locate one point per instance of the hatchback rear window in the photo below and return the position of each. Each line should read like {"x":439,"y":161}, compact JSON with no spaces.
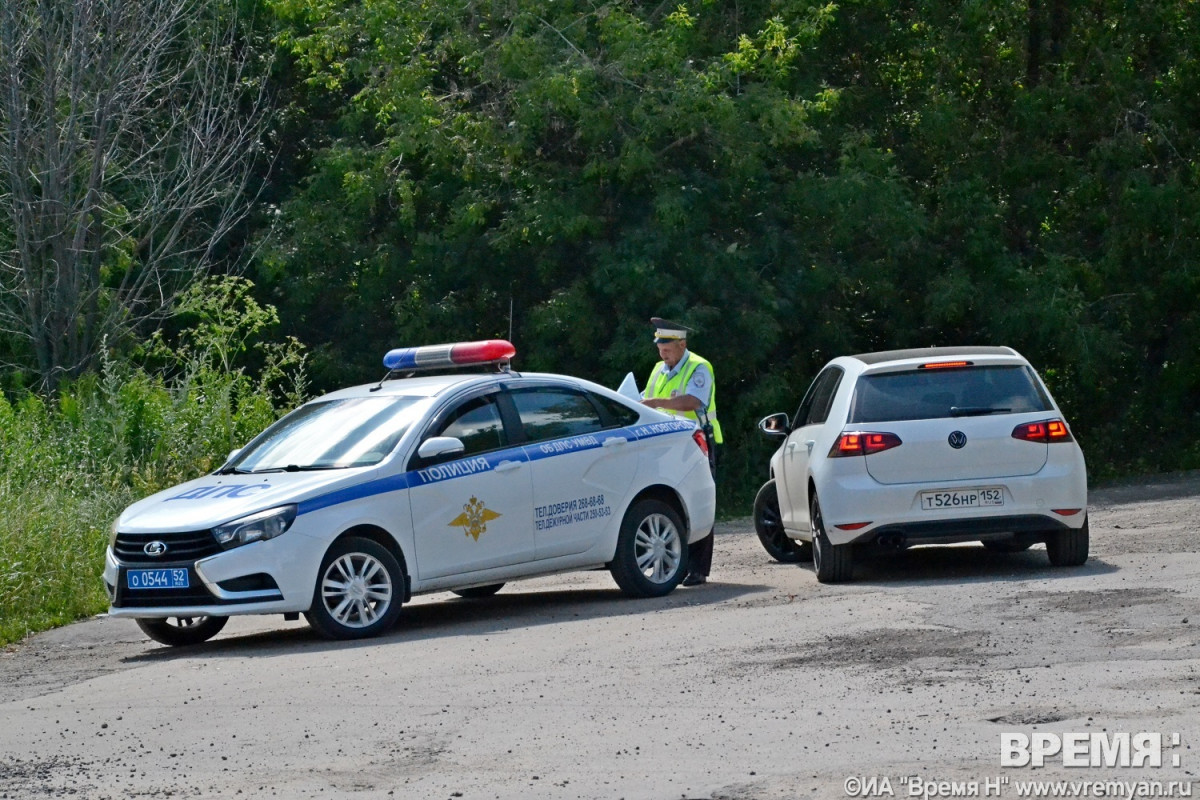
{"x":931,"y":394}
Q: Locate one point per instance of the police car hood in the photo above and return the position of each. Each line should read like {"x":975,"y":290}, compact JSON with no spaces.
{"x":217,"y":499}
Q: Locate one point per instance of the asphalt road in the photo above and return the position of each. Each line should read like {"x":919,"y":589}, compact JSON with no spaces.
{"x":760,"y":684}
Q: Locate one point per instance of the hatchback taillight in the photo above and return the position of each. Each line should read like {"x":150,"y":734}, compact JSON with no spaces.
{"x":701,"y":441}
{"x":863,"y":444}
{"x":1047,"y":432}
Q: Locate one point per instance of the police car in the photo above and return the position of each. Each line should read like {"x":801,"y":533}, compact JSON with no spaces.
{"x":460,"y":481}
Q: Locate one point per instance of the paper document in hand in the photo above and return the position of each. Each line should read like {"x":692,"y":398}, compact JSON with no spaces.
{"x":628,"y":388}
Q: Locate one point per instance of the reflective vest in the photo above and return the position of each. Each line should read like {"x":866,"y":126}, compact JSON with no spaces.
{"x":664,"y":388}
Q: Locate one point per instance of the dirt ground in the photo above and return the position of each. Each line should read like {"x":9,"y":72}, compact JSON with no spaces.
{"x":760,"y":684}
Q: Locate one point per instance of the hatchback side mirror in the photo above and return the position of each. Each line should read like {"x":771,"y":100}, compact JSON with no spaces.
{"x":775,"y":425}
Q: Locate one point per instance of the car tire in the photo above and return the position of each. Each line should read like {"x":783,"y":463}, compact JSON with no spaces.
{"x":479,"y":591}
{"x":651,"y":556}
{"x":833,"y":563}
{"x":181,"y":631}
{"x":768,"y":524}
{"x":1068,"y":548}
{"x":359,"y":590}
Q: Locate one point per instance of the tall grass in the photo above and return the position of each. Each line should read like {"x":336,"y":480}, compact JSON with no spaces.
{"x":70,"y":462}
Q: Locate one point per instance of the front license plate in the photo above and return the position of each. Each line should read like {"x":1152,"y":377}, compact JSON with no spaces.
{"x":963,"y":498}
{"x":169,"y":578}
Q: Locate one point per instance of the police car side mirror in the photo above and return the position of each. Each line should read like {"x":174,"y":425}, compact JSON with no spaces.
{"x":232,"y":455}
{"x":439,"y":446}
{"x":775,"y":425}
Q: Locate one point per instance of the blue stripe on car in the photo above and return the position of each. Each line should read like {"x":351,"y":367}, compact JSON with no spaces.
{"x":474,"y":465}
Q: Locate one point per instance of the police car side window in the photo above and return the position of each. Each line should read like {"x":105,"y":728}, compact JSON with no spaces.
{"x":618,"y":415}
{"x":477,"y":424}
{"x":554,"y":413}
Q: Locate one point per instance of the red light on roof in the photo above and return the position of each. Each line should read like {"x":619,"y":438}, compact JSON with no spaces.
{"x":947,"y":365}
{"x":436,"y":356}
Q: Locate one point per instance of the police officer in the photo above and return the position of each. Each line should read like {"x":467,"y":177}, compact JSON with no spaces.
{"x":682,"y":385}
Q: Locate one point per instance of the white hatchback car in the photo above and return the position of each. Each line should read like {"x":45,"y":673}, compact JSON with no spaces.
{"x":931,"y":446}
{"x":357,"y":500}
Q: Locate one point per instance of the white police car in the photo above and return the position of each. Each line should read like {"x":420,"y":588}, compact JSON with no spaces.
{"x":357,"y":500}
{"x":929,"y":446}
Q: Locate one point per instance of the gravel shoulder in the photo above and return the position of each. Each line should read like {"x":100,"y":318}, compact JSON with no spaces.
{"x":760,"y":684}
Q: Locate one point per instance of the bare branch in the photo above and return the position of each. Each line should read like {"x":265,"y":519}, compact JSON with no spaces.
{"x":129,"y":132}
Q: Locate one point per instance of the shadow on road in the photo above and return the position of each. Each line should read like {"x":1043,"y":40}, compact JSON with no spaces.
{"x":444,"y":616}
{"x":941,"y":565}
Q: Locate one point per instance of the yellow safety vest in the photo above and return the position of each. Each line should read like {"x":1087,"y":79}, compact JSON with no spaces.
{"x":660,"y":387}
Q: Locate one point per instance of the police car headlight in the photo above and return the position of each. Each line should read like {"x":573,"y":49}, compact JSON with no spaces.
{"x":255,"y":528}
{"x":112,"y":535}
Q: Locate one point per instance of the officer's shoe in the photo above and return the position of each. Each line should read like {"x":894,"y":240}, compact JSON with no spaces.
{"x":694,"y":579}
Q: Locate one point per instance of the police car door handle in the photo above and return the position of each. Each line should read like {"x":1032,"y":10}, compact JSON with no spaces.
{"x":507,"y":466}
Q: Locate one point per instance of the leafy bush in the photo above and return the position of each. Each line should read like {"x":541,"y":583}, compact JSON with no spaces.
{"x":69,"y":463}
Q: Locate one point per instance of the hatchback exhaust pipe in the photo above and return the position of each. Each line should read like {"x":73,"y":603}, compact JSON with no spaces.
{"x":895,"y":541}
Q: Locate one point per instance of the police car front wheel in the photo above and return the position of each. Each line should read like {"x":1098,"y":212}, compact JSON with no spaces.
{"x":181,"y":631}
{"x":359,"y":590}
{"x":651,"y":556}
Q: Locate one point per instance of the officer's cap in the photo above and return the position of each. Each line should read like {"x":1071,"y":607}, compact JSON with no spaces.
{"x":667,"y":331}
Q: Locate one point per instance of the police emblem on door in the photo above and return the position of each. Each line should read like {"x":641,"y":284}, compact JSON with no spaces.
{"x":474,"y":518}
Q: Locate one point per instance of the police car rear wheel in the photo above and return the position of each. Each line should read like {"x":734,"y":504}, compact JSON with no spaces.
{"x":651,"y":556}
{"x":181,"y":631}
{"x":358,"y":592}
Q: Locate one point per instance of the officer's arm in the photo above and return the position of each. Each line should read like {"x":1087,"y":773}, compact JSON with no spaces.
{"x":684,"y":402}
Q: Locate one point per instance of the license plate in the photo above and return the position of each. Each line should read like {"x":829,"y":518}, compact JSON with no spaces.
{"x":169,"y":578}
{"x":962,"y":498}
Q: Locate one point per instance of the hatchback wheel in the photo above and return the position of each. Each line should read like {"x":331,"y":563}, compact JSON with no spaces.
{"x":768,"y":524}
{"x":833,"y":563}
{"x":1068,"y":548}
{"x":360,"y":588}
{"x":651,"y":555}
{"x":181,"y":631}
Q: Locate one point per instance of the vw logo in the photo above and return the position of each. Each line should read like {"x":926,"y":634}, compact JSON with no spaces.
{"x":957,"y":440}
{"x":155,"y":549}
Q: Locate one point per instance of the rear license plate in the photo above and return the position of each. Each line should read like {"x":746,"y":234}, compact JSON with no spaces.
{"x":963,"y":498}
{"x":169,"y":578}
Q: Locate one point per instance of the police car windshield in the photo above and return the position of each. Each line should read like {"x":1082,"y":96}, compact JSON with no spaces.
{"x":332,"y":434}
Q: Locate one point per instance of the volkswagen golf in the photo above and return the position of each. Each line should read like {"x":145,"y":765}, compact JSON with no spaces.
{"x":917,"y":447}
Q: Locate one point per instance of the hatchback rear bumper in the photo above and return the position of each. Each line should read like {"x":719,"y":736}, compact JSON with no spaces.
{"x":949,"y":531}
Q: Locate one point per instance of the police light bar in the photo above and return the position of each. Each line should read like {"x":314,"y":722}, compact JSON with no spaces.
{"x":460,"y":354}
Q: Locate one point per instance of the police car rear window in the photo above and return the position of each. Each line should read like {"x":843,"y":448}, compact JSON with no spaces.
{"x":555,"y":413}
{"x":934,"y":394}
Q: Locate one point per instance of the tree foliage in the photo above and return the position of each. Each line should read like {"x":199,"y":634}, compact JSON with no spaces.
{"x":796,"y":180}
